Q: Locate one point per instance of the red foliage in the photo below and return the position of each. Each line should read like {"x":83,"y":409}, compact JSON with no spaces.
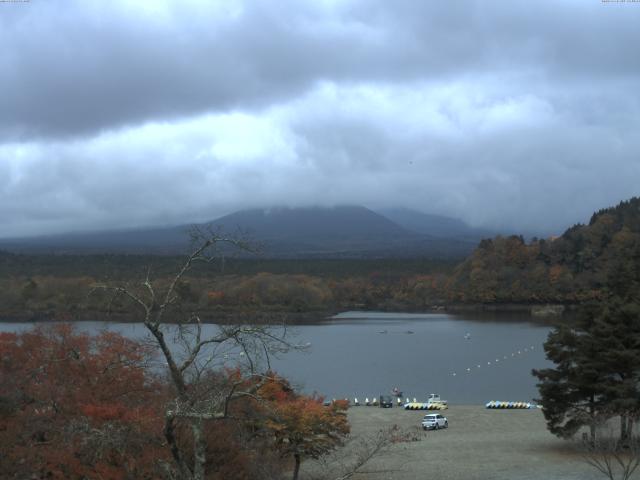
{"x":75,"y":406}
{"x":302,"y":425}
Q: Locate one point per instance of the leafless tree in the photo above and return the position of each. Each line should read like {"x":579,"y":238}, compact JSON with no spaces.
{"x":191,"y":355}
{"x":613,"y":456}
{"x":355,"y":458}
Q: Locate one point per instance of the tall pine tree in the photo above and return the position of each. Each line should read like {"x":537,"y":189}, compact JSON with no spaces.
{"x":572,"y":393}
{"x":597,"y":357}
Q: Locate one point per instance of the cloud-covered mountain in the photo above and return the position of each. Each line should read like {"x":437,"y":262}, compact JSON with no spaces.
{"x":511,"y":115}
{"x":343,"y":231}
{"x":435,"y":225}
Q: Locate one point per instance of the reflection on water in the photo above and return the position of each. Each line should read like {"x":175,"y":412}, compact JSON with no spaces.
{"x":465,"y":358}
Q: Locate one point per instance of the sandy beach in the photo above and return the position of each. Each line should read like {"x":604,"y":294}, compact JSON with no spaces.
{"x":480,"y":444}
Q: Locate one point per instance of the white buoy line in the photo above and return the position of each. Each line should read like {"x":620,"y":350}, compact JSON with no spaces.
{"x":514,"y":354}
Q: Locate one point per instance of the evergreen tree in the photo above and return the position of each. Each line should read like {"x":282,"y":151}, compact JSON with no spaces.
{"x":617,"y":332}
{"x":597,"y":372}
{"x":572,"y":393}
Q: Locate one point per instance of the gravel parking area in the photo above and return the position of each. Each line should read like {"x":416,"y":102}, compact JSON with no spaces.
{"x":480,"y":444}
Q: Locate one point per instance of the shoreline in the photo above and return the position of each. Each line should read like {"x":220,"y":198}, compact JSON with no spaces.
{"x":543,"y":313}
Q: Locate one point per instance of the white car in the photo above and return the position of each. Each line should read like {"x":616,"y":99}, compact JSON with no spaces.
{"x":434,"y":421}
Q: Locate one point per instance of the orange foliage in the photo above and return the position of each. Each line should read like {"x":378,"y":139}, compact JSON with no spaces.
{"x":215,"y":296}
{"x":76,"y":407}
{"x":302,"y":426}
{"x":555,"y":273}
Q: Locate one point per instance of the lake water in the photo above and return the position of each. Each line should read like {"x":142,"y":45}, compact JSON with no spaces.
{"x":467,"y":359}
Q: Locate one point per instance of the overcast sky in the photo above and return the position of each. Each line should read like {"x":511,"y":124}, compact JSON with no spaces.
{"x":512,"y":114}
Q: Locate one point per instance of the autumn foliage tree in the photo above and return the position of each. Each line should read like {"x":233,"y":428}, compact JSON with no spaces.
{"x":572,"y":268}
{"x":73,"y":406}
{"x":302,"y":426}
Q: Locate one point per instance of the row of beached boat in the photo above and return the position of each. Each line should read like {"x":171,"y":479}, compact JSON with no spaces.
{"x":498,"y":404}
{"x":425,"y":406}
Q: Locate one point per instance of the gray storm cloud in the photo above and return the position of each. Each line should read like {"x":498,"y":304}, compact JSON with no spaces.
{"x":518,"y":115}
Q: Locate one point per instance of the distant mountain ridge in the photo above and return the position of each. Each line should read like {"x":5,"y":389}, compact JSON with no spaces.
{"x":341,"y":231}
{"x":343,"y":221}
{"x":434,"y":225}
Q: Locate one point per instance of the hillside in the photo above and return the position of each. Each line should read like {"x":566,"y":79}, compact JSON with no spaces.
{"x":313,"y":232}
{"x":571,"y":268}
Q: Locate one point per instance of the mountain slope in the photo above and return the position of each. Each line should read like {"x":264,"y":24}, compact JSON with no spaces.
{"x":310,"y":222}
{"x":434,"y":225}
{"x":159,"y":240}
{"x":579,"y":265}
{"x":344,"y":231}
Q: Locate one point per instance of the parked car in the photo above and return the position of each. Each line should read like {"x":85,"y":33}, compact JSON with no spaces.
{"x":386,"y":401}
{"x":434,"y":421}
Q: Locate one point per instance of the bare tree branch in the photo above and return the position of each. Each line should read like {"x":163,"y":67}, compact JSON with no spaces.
{"x":199,"y":398}
{"x":610,"y":455}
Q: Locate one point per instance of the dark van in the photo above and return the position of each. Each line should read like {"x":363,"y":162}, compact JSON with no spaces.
{"x":386,"y":401}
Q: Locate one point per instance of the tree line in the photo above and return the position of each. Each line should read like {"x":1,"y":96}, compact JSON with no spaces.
{"x":573,"y":268}
{"x":569,"y":269}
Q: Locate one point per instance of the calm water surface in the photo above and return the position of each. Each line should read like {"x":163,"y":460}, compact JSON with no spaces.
{"x":464,"y":358}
